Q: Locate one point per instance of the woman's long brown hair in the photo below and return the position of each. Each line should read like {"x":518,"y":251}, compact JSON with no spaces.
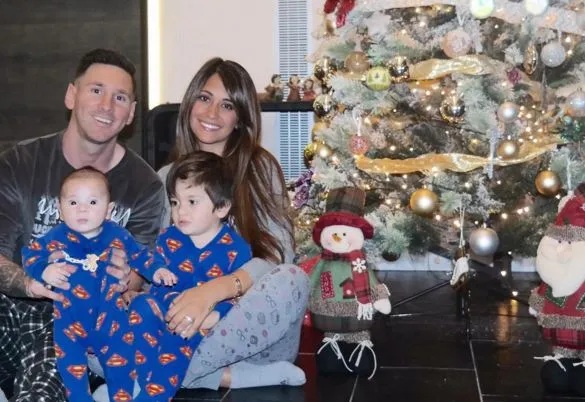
{"x":256,"y":200}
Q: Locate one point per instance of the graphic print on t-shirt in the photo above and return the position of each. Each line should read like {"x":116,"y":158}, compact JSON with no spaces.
{"x":47,"y":215}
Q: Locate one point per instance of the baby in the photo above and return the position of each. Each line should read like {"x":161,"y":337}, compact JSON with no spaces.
{"x":91,"y":315}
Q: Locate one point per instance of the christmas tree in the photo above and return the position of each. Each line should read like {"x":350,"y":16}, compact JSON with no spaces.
{"x":462,"y":120}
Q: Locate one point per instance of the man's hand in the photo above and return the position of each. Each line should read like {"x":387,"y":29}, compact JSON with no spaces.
{"x":37,"y":290}
{"x":119,"y":268}
{"x":165,"y":276}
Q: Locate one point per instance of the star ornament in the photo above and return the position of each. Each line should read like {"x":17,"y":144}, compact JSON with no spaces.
{"x":359,"y":265}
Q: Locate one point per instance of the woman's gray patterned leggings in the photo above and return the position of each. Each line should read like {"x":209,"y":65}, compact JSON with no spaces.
{"x":263,"y":327}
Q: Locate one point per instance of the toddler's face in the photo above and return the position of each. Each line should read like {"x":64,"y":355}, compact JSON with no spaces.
{"x":193,"y":213}
{"x":84,"y":204}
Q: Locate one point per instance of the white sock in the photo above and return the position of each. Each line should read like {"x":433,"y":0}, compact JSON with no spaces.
{"x":248,"y":375}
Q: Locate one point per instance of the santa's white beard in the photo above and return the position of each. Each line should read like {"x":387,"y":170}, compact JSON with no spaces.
{"x":564,"y":274}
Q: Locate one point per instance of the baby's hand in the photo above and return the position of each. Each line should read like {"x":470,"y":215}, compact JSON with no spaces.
{"x":165,"y":276}
{"x":57,"y":274}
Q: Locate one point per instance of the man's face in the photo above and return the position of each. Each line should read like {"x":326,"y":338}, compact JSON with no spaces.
{"x":102,"y":103}
{"x":84,"y":204}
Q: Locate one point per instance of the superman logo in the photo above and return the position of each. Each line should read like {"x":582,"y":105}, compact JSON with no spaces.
{"x":155,"y":308}
{"x":35,"y":246}
{"x":117,"y":243}
{"x":139,"y":358}
{"x":134,"y":318}
{"x":133,"y":375}
{"x":154,"y":389}
{"x":187,"y":351}
{"x":56,"y":313}
{"x":80,"y":292}
{"x":59,"y":352}
{"x":174,"y":245}
{"x":204,"y":332}
{"x":114,"y":327}
{"x":204,"y":255}
{"x":120,"y":303}
{"x":232,"y":256}
{"x":104,"y":349}
{"x":226,"y":239}
{"x":186,"y":266}
{"x":77,"y":370}
{"x":135,"y":255}
{"x":150,"y":339}
{"x":31,"y":260}
{"x":149,"y":262}
{"x":78,"y":329}
{"x":128,"y":338}
{"x":66,"y":302}
{"x":215,"y":271}
{"x":122,"y":396}
{"x":104,"y":255}
{"x":111,"y":292}
{"x":174,"y":380}
{"x":166,"y":358}
{"x":160,"y":250}
{"x":116,"y":361}
{"x":69,"y":334}
{"x":54,"y":245}
{"x":72,"y":238}
{"x":100,"y":321}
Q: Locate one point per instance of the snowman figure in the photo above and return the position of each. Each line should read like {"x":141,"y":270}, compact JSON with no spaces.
{"x":344,"y":290}
{"x":559,"y":302}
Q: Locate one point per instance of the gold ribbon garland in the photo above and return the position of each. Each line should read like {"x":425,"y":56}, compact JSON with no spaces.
{"x":430,"y":163}
{"x":470,"y":64}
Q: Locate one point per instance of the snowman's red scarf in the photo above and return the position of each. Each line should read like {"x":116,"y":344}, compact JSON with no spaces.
{"x":361,"y":280}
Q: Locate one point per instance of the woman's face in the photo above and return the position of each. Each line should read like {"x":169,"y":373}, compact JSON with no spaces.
{"x":213,"y":116}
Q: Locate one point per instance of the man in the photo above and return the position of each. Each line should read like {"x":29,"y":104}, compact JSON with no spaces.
{"x":102,"y":102}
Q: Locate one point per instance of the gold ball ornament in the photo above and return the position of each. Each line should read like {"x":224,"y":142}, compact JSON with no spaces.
{"x":452,"y":109}
{"x":310,"y":151}
{"x":398,"y":67}
{"x":378,"y":78}
{"x":424,"y":202}
{"x":456,"y":43}
{"x":507,"y":149}
{"x":323,"y":104}
{"x":548,"y":183}
{"x":484,"y":241}
{"x":530,"y":59}
{"x":324,"y":68}
{"x":576,"y":104}
{"x":357,"y":63}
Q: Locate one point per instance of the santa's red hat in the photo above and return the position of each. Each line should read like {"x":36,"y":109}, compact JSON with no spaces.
{"x":569,"y":224}
{"x":345,"y":206}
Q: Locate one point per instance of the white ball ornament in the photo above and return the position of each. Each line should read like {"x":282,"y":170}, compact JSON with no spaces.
{"x":576,"y":104}
{"x":482,"y":8}
{"x":536,"y":7}
{"x":508,"y":112}
{"x":553,"y":54}
{"x":456,"y":43}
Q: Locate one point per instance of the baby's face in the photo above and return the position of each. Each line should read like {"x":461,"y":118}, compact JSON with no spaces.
{"x":84,"y":204}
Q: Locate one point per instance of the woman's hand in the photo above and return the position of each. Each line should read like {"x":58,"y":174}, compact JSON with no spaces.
{"x":190,"y":308}
{"x":119,"y":268}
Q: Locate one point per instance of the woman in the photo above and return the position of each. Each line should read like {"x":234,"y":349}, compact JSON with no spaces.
{"x":220,"y":113}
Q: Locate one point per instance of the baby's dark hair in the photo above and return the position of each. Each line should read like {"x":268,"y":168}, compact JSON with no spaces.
{"x":86,"y":172}
{"x":205,"y":169}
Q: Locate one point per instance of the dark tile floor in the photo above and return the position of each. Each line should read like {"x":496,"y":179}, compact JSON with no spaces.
{"x":424,"y":353}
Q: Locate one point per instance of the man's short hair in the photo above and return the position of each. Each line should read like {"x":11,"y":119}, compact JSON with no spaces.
{"x":109,"y":57}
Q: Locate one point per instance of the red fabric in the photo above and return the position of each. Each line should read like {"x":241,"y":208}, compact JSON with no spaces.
{"x":351,"y":256}
{"x":341,"y":218}
{"x":342,"y":11}
{"x":309,"y":264}
{"x":330,"y":6}
{"x":572,"y":213}
{"x":564,"y":337}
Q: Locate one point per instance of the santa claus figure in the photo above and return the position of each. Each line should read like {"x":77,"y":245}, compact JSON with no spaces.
{"x":559,"y":302}
{"x":344,"y":290}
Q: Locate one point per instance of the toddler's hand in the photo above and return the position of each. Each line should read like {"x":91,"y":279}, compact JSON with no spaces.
{"x":165,"y":276}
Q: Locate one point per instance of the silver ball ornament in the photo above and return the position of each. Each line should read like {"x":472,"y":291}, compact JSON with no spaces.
{"x":536,"y":7}
{"x":484,"y":241}
{"x":398,"y":67}
{"x":508,"y":112}
{"x":553,"y":54}
{"x":452,"y":109}
{"x":576,"y":104}
{"x":323,"y":104}
{"x":507,"y":149}
{"x":456,"y":43}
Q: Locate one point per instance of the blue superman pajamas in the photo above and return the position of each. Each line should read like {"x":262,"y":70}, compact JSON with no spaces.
{"x":91,"y":316}
{"x":162,"y":358}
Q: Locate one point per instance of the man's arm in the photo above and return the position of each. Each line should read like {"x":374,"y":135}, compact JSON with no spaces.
{"x":12,"y":278}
